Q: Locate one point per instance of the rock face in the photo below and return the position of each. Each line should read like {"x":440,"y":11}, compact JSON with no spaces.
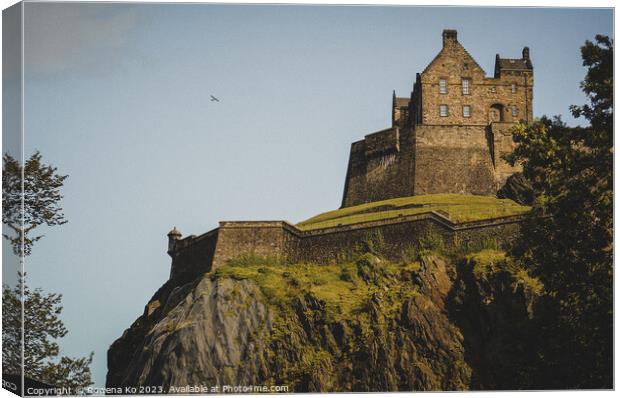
{"x":366,"y":325}
{"x":518,"y":189}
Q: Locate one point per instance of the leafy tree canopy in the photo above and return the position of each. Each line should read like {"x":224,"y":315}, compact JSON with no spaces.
{"x":30,"y":198}
{"x":42,"y":327}
{"x":38,"y":185}
{"x":568,"y":241}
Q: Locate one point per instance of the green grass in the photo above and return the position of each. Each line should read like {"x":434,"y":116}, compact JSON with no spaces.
{"x":344,"y":287}
{"x":491,"y":262}
{"x":459,"y":208}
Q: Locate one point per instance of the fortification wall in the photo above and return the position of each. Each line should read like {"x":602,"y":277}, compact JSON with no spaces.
{"x":379,"y":168}
{"x":337,"y":244}
{"x":193,"y":255}
{"x":453,"y":159}
{"x":284,"y":242}
{"x":263,"y":238}
{"x":427,"y":160}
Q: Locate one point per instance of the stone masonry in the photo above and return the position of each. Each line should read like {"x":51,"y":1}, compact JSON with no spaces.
{"x":449,"y":135}
{"x":283,"y":241}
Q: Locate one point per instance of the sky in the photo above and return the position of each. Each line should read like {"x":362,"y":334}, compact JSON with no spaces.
{"x":117,"y":96}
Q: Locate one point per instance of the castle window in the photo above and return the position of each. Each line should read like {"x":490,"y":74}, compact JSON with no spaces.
{"x":515,"y":111}
{"x":493,"y":90}
{"x":513,"y":88}
{"x":466,"y":86}
{"x":466,"y":111}
{"x":443,"y":86}
{"x":443,"y":110}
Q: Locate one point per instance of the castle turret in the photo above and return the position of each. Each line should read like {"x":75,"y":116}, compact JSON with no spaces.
{"x":173,"y":236}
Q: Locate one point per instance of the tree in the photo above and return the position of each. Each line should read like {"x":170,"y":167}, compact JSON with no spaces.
{"x":41,"y":326}
{"x":568,"y":240}
{"x":41,"y":200}
{"x":30,"y":198}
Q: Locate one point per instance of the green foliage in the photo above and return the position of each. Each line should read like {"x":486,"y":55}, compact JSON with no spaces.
{"x":372,"y":243}
{"x":459,"y":208}
{"x":568,"y":241}
{"x":461,"y":249}
{"x":431,"y":242}
{"x":30,"y":198}
{"x":41,"y":200}
{"x":42,"y":327}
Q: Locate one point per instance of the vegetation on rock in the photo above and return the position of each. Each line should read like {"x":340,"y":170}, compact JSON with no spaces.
{"x":365,"y":324}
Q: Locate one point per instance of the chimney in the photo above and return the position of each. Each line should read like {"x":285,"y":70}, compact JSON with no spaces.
{"x":449,"y":36}
{"x":526,"y":53}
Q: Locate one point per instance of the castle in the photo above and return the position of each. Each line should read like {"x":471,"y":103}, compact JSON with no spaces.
{"x":447,"y":137}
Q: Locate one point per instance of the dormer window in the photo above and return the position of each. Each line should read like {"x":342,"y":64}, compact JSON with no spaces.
{"x":443,"y":86}
{"x":466,"y":83}
{"x":513,"y":88}
{"x":443,"y":110}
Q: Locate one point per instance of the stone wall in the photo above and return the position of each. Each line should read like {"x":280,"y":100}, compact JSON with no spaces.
{"x":262,"y":238}
{"x":453,"y":64}
{"x":285,"y":242}
{"x":502,"y":144}
{"x":379,"y":168}
{"x":193,"y":255}
{"x":453,"y":159}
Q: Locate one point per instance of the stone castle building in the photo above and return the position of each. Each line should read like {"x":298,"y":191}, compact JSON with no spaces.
{"x":449,"y":135}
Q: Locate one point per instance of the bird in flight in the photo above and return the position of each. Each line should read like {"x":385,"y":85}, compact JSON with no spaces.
{"x":214,"y":99}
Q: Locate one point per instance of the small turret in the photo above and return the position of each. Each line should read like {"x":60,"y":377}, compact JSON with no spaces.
{"x":173,"y":236}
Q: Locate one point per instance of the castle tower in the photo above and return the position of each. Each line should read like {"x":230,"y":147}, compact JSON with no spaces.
{"x":450,"y":134}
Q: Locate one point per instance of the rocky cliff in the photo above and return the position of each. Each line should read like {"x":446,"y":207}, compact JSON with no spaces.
{"x":431,"y":322}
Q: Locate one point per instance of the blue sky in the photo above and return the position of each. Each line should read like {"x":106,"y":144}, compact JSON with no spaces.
{"x":117,"y":96}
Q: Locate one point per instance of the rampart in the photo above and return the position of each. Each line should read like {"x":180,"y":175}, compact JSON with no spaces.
{"x":283,"y":241}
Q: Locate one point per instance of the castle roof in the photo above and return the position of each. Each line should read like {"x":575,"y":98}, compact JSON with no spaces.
{"x":174,"y":232}
{"x":450,"y":38}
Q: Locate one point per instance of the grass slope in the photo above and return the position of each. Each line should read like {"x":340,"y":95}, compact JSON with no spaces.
{"x":339,"y":286}
{"x":459,"y":208}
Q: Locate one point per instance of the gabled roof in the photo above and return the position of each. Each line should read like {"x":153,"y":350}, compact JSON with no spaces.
{"x":460,"y":47}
